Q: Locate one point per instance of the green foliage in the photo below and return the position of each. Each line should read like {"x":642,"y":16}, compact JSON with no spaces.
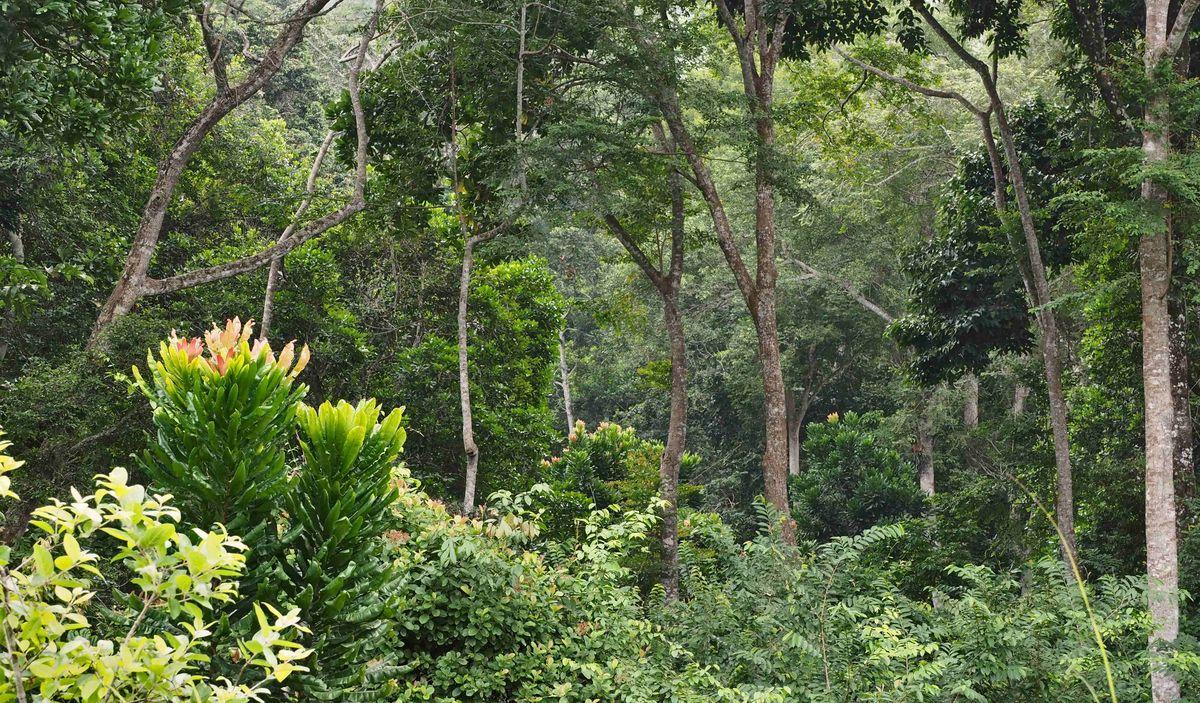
{"x":609,"y":466}
{"x":482,"y":620}
{"x":224,"y":411}
{"x":337,"y":569}
{"x":55,"y":652}
{"x":830,"y":624}
{"x":853,"y":480}
{"x":221,"y":423}
{"x":515,"y":314}
{"x":71,"y":67}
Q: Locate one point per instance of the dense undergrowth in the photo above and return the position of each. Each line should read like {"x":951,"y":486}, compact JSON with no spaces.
{"x":129,"y":595}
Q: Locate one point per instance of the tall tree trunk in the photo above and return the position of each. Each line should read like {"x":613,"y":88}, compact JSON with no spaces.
{"x":672,"y":457}
{"x":793,"y":420}
{"x":1162,"y":564}
{"x":759,"y":47}
{"x":1030,"y":263}
{"x":564,"y":373}
{"x":1184,"y":429}
{"x":668,"y":284}
{"x":464,"y":380}
{"x":1050,"y":339}
{"x":971,"y":401}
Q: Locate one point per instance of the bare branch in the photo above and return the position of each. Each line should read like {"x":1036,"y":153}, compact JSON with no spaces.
{"x":312,"y":229}
{"x":913,"y":86}
{"x":850,"y":289}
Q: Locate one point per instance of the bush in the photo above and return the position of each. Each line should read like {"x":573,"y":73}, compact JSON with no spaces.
{"x":225,"y":412}
{"x":853,"y":479}
{"x":829,"y":625}
{"x":482,"y":618}
{"x":148,"y":646}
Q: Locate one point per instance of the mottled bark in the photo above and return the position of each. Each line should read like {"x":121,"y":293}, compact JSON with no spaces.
{"x":1154,"y":262}
{"x":470,"y":449}
{"x":1162,"y":565}
{"x":1184,"y":429}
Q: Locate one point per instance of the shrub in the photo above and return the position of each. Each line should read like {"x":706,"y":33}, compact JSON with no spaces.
{"x":482,"y":618}
{"x":853,"y":479}
{"x":224,"y":411}
{"x":54,"y":651}
{"x":829,"y":623}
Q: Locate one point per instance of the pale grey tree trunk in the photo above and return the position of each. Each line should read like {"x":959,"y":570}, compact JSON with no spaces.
{"x":1162,"y":562}
{"x":925,"y":447}
{"x":971,"y":401}
{"x":564,"y":373}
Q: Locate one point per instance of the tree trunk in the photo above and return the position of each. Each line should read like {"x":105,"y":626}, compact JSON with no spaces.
{"x":17,"y":244}
{"x":134,"y":282}
{"x":672,"y":457}
{"x":668,"y":285}
{"x":1049,"y":338}
{"x":793,"y":420}
{"x":971,"y":401}
{"x":1162,"y":564}
{"x":275,"y":272}
{"x":464,"y":380}
{"x":1184,"y":428}
{"x":925,"y":448}
{"x":1020,"y":395}
{"x":758,"y":51}
{"x":564,"y":373}
{"x":774,"y":461}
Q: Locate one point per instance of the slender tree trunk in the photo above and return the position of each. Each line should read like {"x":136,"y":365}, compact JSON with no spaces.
{"x":1049,"y":338}
{"x":672,"y":457}
{"x":275,"y":272}
{"x":668,"y":285}
{"x":464,"y":380}
{"x":564,"y":373}
{"x":134,"y":282}
{"x":793,"y":419}
{"x":1162,"y":564}
{"x":971,"y":401}
{"x":17,"y":244}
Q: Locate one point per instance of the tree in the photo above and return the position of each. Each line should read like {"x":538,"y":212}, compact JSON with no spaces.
{"x":1002,"y":27}
{"x":135,"y":282}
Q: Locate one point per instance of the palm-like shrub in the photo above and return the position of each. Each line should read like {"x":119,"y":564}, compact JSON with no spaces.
{"x":224,"y":412}
{"x":337,"y":567}
{"x":221,"y":423}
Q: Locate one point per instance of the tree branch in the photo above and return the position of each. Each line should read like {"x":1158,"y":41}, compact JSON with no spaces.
{"x":313,"y":229}
{"x":915,"y":87}
{"x":849,"y":288}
